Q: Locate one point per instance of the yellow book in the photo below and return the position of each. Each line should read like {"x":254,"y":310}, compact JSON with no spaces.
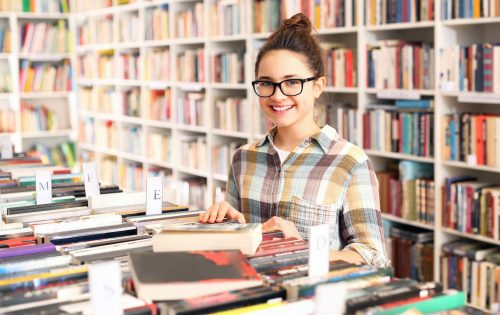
{"x":317,"y":16}
{"x":30,"y":76}
{"x":477,"y":9}
{"x":45,"y":275}
{"x":252,"y":308}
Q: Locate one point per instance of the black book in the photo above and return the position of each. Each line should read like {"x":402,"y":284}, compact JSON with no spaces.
{"x":47,"y":207}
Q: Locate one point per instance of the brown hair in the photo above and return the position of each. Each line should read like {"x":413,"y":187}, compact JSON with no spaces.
{"x":294,"y":35}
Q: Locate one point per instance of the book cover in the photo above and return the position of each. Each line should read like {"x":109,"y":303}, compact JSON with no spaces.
{"x":182,"y":275}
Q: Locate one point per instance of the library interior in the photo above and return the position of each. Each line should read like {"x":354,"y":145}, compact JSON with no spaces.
{"x":250,"y":157}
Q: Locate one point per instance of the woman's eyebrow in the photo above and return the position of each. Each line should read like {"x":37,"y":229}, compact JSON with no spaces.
{"x":288,"y":76}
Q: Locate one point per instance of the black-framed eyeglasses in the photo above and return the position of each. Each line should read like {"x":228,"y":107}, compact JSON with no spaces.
{"x":289,"y":87}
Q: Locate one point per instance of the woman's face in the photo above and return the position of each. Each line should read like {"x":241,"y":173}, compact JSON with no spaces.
{"x":283,"y":110}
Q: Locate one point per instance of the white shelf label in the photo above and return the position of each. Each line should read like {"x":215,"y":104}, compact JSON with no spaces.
{"x":43,"y":181}
{"x":91,"y":179}
{"x":330,"y":299}
{"x":154,"y":195}
{"x":398,"y":94}
{"x":6,"y":151}
{"x":487,"y":98}
{"x":105,"y":284}
{"x":319,"y":253}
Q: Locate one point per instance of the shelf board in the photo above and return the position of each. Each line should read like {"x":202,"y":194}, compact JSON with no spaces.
{"x":160,"y":124}
{"x":5,"y":95}
{"x":157,"y":85}
{"x":45,"y":57}
{"x":337,"y":30}
{"x":190,"y":86}
{"x":157,"y":43}
{"x":163,"y":164}
{"x":41,"y":95}
{"x":333,"y":89}
{"x":471,"y":236}
{"x":400,"y":26}
{"x":199,"y":129}
{"x":42,"y":16}
{"x":394,"y":218}
{"x":264,"y":35}
{"x":46,"y":134}
{"x":230,"y":133}
{"x":5,"y":55}
{"x":464,"y":165}
{"x":228,"y":86}
{"x":399,"y":156}
{"x":227,"y":38}
{"x":192,"y":171}
{"x":474,"y":97}
{"x":131,"y":157}
{"x":189,"y":41}
{"x":220,"y":177}
{"x":399,"y":93}
{"x":471,"y":21}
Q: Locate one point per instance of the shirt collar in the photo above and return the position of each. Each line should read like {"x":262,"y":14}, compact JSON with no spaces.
{"x":325,"y":137}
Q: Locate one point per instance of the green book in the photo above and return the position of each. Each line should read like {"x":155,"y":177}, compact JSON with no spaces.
{"x":449,"y":300}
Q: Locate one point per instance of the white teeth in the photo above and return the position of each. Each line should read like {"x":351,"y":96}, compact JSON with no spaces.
{"x":281,"y":108}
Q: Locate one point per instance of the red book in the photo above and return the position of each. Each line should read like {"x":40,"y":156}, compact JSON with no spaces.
{"x":480,"y":141}
{"x":349,"y":68}
{"x":20,"y":241}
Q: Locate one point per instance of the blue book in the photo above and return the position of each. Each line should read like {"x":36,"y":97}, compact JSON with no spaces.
{"x":419,"y":104}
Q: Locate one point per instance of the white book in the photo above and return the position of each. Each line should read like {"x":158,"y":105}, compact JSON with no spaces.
{"x":47,"y":215}
{"x":84,"y":222}
{"x":117,"y":200}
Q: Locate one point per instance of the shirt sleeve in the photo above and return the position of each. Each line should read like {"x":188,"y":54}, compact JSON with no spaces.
{"x":232,"y":194}
{"x":361,"y":220}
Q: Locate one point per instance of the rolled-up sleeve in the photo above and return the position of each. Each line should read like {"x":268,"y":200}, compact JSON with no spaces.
{"x":361,"y":220}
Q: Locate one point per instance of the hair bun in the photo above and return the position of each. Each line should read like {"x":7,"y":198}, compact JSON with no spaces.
{"x":298,"y":21}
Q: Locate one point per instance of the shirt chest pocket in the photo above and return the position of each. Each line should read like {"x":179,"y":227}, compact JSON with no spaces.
{"x":304,"y":214}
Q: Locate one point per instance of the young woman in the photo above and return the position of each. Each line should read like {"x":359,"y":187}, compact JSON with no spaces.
{"x":301,"y":174}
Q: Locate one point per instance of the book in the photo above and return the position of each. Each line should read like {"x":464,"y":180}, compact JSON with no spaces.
{"x":198,"y":236}
{"x":183,"y":275}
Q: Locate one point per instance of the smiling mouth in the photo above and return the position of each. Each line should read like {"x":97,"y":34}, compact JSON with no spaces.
{"x":281,"y":108}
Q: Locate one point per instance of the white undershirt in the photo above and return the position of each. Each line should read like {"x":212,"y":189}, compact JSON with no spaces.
{"x":282,"y":153}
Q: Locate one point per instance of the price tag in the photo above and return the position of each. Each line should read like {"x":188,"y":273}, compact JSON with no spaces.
{"x":154,"y":195}
{"x":91,"y":179}
{"x":105,"y":284}
{"x":330,"y":299}
{"x":43,"y":180}
{"x":6,"y":151}
{"x":319,"y":250}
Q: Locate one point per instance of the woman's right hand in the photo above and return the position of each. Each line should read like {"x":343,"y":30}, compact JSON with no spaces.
{"x":219,"y":211}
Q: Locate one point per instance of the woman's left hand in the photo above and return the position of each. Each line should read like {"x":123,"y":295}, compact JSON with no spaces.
{"x":287,"y":227}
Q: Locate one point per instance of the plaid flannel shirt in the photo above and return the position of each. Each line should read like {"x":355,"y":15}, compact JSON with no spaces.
{"x":326,"y":179}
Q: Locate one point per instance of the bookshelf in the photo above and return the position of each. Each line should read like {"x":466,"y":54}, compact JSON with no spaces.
{"x":172,"y":91}
{"x":40,"y":106}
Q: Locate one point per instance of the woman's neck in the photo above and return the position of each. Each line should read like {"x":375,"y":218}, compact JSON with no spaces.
{"x":288,"y":138}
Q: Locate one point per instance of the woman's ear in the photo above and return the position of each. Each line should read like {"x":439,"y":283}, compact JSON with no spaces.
{"x":319,"y":86}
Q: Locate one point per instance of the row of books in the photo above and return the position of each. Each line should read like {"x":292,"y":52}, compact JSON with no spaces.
{"x":411,"y":251}
{"x":85,"y":64}
{"x":398,"y":131}
{"x":228,"y":67}
{"x":38,"y":6}
{"x":230,"y":114}
{"x":157,"y":26}
{"x":194,"y":152}
{"x":59,"y":154}
{"x":380,"y":12}
{"x":459,"y":9}
{"x":159,"y":147}
{"x":343,"y":117}
{"x":222,"y":156}
{"x":87,"y":5}
{"x":86,"y":132}
{"x":471,"y":206}
{"x":407,"y":191}
{"x":340,"y":65}
{"x":45,"y":77}
{"x":323,"y":14}
{"x":474,"y":268}
{"x":129,"y":64}
{"x":471,"y":68}
{"x":397,"y":64}
{"x":128,"y":28}
{"x":472,"y":138}
{"x":131,"y":176}
{"x":45,"y":38}
{"x":108,"y":135}
{"x":104,"y":30}
{"x":189,"y":23}
{"x":157,"y":65}
{"x":129,"y":101}
{"x":131,"y":139}
{"x":39,"y":118}
{"x":7,"y":120}
{"x":5,"y":81}
{"x":84,"y":33}
{"x":192,"y":63}
{"x":191,"y":109}
{"x":159,"y":105}
{"x":5,"y":39}
{"x":228,"y":18}
{"x":105,"y":65}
